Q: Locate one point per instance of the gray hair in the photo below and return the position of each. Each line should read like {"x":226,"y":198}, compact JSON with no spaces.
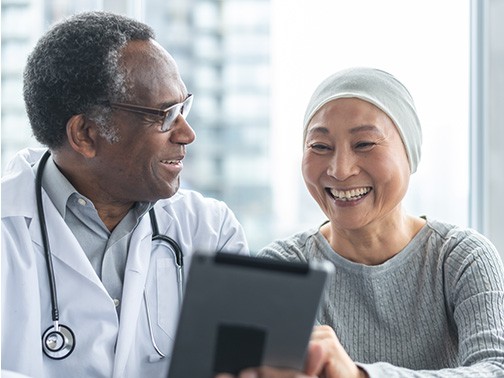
{"x":74,"y":69}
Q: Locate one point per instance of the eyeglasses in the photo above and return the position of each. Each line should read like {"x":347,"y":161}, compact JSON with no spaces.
{"x":169,"y":114}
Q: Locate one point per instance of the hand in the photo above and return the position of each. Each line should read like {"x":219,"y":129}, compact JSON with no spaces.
{"x":328,"y":358}
{"x":267,"y":372}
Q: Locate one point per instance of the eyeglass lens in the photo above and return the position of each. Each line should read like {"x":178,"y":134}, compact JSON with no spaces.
{"x":182,"y":109}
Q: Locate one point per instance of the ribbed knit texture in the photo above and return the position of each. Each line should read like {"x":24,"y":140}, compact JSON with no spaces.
{"x":436,"y":309}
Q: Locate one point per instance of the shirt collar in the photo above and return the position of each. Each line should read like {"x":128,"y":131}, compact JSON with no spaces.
{"x":59,"y":190}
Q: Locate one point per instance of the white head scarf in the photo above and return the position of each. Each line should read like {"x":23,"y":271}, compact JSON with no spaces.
{"x":383,"y":91}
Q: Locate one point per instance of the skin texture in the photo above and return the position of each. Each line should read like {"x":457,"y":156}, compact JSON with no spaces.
{"x":145,"y":163}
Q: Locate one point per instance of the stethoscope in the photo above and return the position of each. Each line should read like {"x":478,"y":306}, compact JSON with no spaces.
{"x":58,"y":341}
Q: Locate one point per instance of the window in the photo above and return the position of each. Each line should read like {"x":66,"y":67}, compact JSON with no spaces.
{"x":252,"y":78}
{"x":409,"y":40}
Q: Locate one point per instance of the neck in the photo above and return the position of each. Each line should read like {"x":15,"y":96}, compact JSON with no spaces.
{"x":111,"y":215}
{"x":375,"y":243}
{"x":110,"y":210}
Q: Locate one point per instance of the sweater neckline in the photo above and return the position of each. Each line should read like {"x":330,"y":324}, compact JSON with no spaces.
{"x":398,"y":259}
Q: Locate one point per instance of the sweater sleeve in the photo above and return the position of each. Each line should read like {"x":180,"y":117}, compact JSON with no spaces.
{"x":474,"y":290}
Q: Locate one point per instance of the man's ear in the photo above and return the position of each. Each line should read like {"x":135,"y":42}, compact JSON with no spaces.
{"x":82,"y":134}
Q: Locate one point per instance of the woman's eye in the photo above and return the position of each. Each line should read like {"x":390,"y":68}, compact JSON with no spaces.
{"x":364,"y":145}
{"x":318,"y":147}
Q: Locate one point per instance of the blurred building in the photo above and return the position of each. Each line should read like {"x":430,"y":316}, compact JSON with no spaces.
{"x":18,"y":37}
{"x":222,"y":48}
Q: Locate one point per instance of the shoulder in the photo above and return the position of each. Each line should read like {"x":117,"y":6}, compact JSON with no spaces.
{"x":18,"y":184}
{"x":459,"y":243}
{"x":190,"y":203}
{"x":298,"y":247}
{"x":200,"y":222}
{"x":469,"y":259}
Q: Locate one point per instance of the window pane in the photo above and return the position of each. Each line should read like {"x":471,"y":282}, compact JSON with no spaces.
{"x":410,"y":40}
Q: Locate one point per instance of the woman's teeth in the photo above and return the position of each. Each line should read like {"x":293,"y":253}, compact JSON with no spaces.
{"x":349,"y":195}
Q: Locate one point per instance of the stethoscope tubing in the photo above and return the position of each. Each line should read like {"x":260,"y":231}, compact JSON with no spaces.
{"x":45,"y":238}
{"x":62,"y":332}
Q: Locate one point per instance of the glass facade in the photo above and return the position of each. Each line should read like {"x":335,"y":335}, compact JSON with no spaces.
{"x":222,"y":48}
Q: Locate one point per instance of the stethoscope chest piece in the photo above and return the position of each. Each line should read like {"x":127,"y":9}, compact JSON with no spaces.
{"x":59,"y":342}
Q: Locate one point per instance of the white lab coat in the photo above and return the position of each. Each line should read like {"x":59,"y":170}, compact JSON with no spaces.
{"x":104,"y":347}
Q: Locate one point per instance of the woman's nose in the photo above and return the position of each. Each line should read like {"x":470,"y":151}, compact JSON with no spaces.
{"x":182,"y":132}
{"x":342,"y":165}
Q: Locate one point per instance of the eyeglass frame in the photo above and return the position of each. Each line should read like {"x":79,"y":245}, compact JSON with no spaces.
{"x":186,"y":104}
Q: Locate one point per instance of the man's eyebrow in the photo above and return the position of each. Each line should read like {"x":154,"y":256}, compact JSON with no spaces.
{"x":166,"y":105}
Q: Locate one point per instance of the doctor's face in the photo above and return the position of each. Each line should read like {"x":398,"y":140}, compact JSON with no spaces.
{"x":146,"y":162}
{"x":354,"y":164}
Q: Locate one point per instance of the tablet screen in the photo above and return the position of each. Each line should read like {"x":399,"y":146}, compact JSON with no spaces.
{"x":241,"y":311}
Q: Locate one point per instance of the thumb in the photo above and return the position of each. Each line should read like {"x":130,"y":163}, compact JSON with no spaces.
{"x":314,"y":363}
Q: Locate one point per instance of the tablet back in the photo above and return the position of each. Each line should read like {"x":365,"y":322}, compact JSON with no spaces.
{"x":242,"y":311}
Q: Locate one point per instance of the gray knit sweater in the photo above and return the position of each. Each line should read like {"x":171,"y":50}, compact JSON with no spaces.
{"x":436,"y":309}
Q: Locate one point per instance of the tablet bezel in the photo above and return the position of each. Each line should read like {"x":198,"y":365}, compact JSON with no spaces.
{"x":274,"y":302}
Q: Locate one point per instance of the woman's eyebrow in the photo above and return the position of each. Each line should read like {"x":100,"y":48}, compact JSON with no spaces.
{"x":361,"y":128}
{"x":353,"y":130}
{"x":318,"y":129}
{"x":365,"y":128}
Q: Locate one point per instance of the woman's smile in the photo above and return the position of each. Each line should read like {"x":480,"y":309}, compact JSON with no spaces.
{"x":348,"y":195}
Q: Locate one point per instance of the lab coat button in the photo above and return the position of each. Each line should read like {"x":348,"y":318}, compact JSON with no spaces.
{"x":116,"y":302}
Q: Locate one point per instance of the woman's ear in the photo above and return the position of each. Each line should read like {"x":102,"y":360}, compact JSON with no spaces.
{"x":82,"y":134}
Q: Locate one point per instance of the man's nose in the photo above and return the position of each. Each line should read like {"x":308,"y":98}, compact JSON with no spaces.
{"x":182,"y":132}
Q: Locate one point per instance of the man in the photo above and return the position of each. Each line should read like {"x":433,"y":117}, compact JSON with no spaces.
{"x":109,"y":103}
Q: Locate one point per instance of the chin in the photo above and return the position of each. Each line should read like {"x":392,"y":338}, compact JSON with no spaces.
{"x":172,"y":189}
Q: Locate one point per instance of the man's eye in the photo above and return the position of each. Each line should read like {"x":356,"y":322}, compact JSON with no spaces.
{"x":152,"y":120}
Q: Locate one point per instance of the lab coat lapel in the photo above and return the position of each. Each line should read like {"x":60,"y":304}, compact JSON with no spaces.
{"x":134,"y":283}
{"x":64,"y":246}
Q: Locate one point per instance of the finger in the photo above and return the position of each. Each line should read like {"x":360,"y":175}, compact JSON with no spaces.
{"x":322,"y":331}
{"x":315,"y":359}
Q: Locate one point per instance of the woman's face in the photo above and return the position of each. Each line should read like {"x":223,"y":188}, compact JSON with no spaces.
{"x":354,"y":164}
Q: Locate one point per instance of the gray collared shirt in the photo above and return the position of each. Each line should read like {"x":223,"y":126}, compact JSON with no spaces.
{"x":107,"y":251}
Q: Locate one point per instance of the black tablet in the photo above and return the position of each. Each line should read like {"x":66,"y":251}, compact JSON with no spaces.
{"x":242,"y":311}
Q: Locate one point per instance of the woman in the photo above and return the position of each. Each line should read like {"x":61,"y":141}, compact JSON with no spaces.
{"x":412,"y":296}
